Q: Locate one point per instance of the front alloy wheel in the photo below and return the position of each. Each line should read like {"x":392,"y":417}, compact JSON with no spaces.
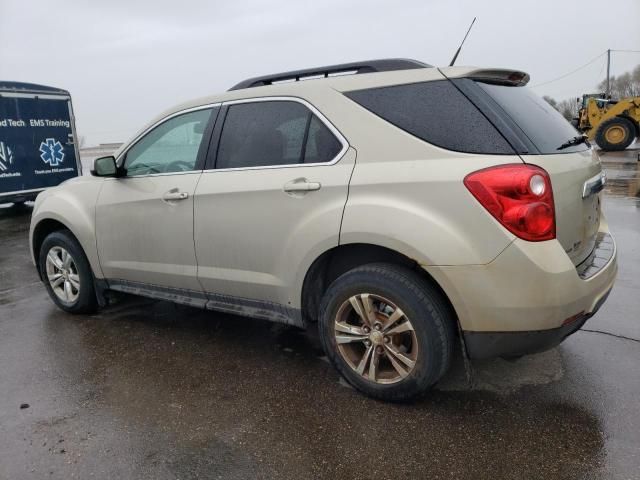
{"x":66,"y":273}
{"x":375,"y":338}
{"x":62,"y":274}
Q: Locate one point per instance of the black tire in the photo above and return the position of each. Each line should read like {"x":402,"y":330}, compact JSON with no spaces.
{"x":620,"y":124}
{"x":433,"y":323}
{"x":86,"y":301}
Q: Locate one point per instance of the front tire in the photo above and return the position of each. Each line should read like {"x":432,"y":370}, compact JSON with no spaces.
{"x":66,"y":273}
{"x":615,"y":134}
{"x":387,"y":331}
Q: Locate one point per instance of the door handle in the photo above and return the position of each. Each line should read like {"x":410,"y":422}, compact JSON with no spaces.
{"x":301,"y":185}
{"x":174,"y":194}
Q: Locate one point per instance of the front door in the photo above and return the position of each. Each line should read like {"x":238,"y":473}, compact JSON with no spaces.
{"x":144,"y":220}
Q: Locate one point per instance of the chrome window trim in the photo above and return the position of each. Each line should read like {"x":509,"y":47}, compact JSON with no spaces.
{"x":164,"y":174}
{"x":122,"y":156}
{"x":343,"y":141}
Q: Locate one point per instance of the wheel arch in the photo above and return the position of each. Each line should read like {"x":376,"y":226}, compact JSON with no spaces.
{"x":334,"y":262}
{"x":76,"y":222}
{"x":41,"y":230}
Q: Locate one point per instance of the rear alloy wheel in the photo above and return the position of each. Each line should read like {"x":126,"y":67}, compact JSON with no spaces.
{"x":375,"y":338}
{"x":615,"y":134}
{"x":387,"y":330}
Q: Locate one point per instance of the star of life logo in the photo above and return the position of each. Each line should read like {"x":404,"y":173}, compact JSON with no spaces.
{"x":52,"y":152}
{"x":6,"y":157}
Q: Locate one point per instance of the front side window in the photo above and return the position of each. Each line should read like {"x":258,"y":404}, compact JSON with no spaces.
{"x":170,"y":147}
{"x":272,"y":133}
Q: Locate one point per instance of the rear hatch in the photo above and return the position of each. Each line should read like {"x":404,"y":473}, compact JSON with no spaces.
{"x":542,"y":137}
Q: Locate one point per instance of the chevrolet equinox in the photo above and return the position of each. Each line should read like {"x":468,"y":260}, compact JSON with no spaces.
{"x":401,"y":207}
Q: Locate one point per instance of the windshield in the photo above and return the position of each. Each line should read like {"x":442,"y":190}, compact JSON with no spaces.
{"x":545,"y":127}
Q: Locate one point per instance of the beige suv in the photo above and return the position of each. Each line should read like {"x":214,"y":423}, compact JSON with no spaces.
{"x":398,"y":205}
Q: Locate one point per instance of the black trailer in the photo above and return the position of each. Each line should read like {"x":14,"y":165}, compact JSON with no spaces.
{"x":38,"y":141}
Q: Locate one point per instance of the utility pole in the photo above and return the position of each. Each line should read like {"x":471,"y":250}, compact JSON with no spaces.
{"x":608,"y":92}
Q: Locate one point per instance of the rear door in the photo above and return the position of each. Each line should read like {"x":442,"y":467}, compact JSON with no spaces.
{"x":36,"y":142}
{"x":144,"y":220}
{"x":274,"y":199}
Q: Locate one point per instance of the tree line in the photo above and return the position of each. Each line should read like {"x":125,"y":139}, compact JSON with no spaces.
{"x":625,"y":85}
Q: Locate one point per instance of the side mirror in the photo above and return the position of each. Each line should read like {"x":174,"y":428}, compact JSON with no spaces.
{"x":105,"y":167}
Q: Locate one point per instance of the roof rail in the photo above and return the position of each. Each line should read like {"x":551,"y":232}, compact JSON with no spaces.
{"x":370,"y":66}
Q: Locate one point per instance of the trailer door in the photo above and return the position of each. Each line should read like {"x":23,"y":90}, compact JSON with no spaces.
{"x":37,"y":148}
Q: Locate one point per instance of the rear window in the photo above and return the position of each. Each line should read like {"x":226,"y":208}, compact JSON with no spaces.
{"x":435,"y":112}
{"x":543,"y":125}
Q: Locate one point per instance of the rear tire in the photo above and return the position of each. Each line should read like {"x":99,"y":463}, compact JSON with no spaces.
{"x":66,"y":273}
{"x":409,"y":354}
{"x":615,"y":134}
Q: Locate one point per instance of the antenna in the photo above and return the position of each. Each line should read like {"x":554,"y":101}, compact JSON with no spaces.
{"x":455,"y":57}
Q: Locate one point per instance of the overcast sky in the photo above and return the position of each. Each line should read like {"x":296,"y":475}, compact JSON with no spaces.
{"x":124,"y":61}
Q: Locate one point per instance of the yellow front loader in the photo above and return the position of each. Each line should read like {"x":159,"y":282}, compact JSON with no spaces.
{"x":613,"y":124}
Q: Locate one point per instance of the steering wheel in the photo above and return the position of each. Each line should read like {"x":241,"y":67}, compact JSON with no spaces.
{"x":179,"y":166}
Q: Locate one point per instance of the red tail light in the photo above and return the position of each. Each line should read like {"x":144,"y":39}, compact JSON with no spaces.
{"x":519,"y":196}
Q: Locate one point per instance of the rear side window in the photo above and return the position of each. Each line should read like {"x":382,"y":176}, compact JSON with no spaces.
{"x":435,"y":112}
{"x":272,"y":133}
{"x":322,"y":145}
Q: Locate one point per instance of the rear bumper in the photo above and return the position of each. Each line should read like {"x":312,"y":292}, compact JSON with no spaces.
{"x":482,"y":345}
{"x":529,"y":298}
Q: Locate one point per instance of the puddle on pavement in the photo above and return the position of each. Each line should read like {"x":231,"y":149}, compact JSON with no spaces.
{"x":623,"y":179}
{"x":181,"y":381}
{"x":193,"y":393}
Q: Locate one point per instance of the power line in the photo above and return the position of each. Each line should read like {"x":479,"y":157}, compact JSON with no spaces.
{"x":571,"y":72}
{"x":627,"y":51}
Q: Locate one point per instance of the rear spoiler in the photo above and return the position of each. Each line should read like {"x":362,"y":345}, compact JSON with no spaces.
{"x":498,"y":76}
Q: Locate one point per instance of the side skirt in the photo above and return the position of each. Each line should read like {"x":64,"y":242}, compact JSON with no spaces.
{"x":273,"y":312}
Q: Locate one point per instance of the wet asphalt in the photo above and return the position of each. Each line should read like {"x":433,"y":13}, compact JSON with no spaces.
{"x":151,"y":390}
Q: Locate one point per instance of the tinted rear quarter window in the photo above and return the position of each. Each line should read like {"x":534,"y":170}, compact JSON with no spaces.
{"x":435,"y":112}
